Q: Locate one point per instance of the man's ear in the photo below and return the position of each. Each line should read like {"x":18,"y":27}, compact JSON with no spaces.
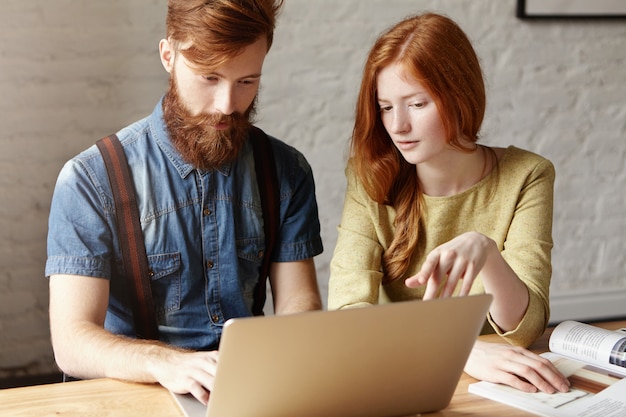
{"x":167,"y":55}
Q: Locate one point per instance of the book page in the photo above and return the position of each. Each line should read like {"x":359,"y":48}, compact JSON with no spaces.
{"x":588,"y":343}
{"x":595,"y":392}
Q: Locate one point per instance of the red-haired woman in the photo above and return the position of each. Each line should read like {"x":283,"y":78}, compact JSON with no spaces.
{"x":431,"y":213}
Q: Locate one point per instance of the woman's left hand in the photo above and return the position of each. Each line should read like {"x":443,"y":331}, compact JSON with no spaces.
{"x":516,"y":367}
{"x":460,"y":258}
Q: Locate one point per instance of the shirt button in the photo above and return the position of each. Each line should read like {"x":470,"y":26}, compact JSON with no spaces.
{"x":209,"y":264}
{"x":206,"y":211}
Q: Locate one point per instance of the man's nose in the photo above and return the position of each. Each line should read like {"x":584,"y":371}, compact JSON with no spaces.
{"x":224,"y":100}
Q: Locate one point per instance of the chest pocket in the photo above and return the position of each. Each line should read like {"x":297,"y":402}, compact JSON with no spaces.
{"x":165,"y":278}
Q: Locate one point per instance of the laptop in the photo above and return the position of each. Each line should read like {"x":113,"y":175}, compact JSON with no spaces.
{"x":393,"y":359}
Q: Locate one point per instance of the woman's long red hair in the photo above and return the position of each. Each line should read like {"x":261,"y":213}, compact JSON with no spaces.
{"x":435,"y":51}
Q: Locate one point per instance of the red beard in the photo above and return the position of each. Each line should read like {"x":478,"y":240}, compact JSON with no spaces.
{"x":194,"y":136}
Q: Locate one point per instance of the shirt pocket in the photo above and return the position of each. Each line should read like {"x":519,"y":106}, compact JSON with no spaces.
{"x":250,"y":253}
{"x":165,"y":275}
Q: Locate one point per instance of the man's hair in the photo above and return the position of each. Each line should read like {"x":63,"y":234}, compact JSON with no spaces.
{"x":210,"y":32}
{"x":433,"y":50}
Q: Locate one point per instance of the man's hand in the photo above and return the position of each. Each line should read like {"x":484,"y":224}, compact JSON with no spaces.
{"x":186,"y":372}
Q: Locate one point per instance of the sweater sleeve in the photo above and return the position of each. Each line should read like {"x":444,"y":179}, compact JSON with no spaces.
{"x":527,"y":249}
{"x":355,"y":269}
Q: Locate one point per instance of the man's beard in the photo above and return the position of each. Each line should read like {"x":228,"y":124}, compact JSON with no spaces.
{"x":194,"y":136}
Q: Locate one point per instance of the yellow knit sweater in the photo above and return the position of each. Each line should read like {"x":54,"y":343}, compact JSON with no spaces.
{"x":517,"y":215}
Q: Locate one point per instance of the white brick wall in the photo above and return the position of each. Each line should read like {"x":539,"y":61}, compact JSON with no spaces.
{"x":72,"y":71}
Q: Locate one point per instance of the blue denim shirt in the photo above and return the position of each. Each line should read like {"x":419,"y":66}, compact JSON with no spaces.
{"x":203,"y":230}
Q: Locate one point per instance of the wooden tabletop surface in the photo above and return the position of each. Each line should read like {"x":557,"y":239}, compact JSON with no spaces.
{"x":107,"y":397}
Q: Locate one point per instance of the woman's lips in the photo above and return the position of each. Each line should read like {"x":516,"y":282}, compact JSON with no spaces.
{"x":406,"y":145}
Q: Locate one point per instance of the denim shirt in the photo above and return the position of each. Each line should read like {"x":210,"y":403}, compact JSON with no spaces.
{"x":203,"y":230}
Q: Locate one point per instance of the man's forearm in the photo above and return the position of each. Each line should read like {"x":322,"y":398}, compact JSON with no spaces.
{"x":89,"y":351}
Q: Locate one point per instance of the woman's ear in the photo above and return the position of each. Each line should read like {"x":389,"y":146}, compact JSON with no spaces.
{"x":167,"y":54}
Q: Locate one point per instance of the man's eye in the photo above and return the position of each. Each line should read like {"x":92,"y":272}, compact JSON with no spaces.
{"x":211,"y":78}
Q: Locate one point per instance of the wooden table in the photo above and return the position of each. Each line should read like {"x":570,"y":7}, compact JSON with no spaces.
{"x":108,"y":397}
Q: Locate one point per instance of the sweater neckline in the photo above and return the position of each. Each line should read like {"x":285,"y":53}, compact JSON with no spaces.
{"x":479,"y":185}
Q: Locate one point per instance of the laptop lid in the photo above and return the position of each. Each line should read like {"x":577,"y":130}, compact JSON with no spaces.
{"x":387,"y":360}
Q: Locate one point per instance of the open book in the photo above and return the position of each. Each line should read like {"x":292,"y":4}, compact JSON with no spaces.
{"x":594,"y":361}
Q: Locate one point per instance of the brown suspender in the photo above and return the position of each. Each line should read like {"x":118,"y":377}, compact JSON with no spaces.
{"x":130,"y":237}
{"x":133,"y":248}
{"x":267,"y":181}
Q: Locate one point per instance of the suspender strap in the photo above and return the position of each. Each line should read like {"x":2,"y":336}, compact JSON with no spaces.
{"x":267,"y":181}
{"x":130,"y":237}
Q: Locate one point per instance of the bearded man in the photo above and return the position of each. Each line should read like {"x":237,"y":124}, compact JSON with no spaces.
{"x":192,"y":166}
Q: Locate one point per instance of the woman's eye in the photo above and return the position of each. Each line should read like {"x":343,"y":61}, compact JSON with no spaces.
{"x":419,"y":105}
{"x":385,"y":108}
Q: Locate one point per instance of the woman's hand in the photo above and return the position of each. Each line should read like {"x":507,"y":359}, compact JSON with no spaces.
{"x":461,"y":258}
{"x":514,"y":366}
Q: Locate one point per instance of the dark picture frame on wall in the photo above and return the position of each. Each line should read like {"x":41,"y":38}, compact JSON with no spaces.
{"x":568,"y":9}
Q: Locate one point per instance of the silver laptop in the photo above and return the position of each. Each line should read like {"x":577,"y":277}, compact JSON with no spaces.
{"x":387,"y":360}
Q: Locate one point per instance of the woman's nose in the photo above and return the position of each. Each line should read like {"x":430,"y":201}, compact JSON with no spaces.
{"x":399,"y":123}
